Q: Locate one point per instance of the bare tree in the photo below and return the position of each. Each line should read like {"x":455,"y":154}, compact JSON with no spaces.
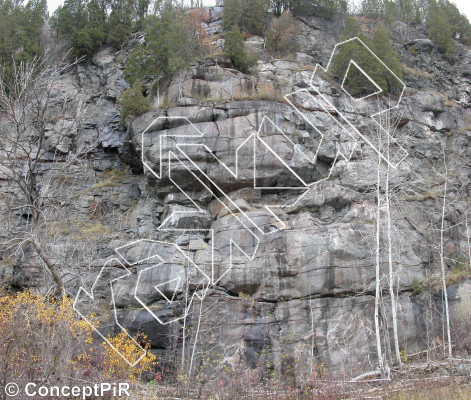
{"x":442,"y":257}
{"x":39,"y":152}
{"x":378,"y":271}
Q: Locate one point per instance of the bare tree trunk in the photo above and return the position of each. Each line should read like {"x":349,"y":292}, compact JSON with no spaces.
{"x":442,"y":261}
{"x":184,"y":322}
{"x":391,"y":274}
{"x":26,"y":109}
{"x":467,"y":237}
{"x":378,"y":290}
{"x":51,"y":268}
{"x":195,"y":343}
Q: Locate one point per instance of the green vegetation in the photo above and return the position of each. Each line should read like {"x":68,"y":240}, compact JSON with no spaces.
{"x":91,"y":23}
{"x":384,"y":49}
{"x":323,"y":8}
{"x":416,"y":286}
{"x":357,"y":83}
{"x":459,"y":23}
{"x":235,"y":48}
{"x":444,"y":20}
{"x":94,"y":230}
{"x":113,"y":178}
{"x":20,"y":31}
{"x":439,"y":29}
{"x":319,"y":8}
{"x":133,"y":101}
{"x":248,"y":15}
{"x":174,"y":40}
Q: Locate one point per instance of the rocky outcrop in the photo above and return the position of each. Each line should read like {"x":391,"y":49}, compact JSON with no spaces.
{"x":307,"y":290}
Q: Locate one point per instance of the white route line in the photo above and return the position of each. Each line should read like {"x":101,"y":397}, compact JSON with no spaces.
{"x":162,"y":261}
{"x":236,"y":211}
{"x":91,"y":295}
{"x":373,"y":116}
{"x":366,"y":75}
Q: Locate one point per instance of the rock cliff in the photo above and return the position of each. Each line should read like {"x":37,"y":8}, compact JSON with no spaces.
{"x":286,"y":278}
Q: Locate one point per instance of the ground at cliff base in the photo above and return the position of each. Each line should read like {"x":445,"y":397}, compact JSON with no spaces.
{"x":426,"y":381}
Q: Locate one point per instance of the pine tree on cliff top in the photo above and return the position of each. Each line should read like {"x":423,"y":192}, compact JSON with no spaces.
{"x":356,"y":83}
{"x":439,"y":29}
{"x":384,"y":49}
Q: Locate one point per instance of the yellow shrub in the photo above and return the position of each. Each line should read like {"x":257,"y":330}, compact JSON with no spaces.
{"x":39,"y":334}
{"x":116,"y":366}
{"x":43,"y":339}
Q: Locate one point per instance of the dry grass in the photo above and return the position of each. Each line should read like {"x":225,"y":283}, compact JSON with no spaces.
{"x":456,"y":274}
{"x":463,"y":131}
{"x":430,"y":195}
{"x":450,"y":102}
{"x":94,"y":231}
{"x":424,"y":388}
{"x":111,"y":178}
{"x":269,"y":94}
{"x":417,"y":72}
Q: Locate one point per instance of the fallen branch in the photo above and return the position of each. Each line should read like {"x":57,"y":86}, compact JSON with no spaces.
{"x":366,"y":375}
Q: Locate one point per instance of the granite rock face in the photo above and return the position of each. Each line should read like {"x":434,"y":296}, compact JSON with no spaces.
{"x":300,"y":282}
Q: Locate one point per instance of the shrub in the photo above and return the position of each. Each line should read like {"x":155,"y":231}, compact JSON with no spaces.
{"x":235,"y":48}
{"x":282,"y":35}
{"x":42,"y":340}
{"x":416,"y":286}
{"x":39,"y":337}
{"x":115,"y":366}
{"x":133,"y":101}
{"x":87,"y":42}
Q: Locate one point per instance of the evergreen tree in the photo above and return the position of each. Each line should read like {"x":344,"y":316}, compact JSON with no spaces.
{"x":235,"y":48}
{"x":356,"y":82}
{"x":232,"y":14}
{"x":97,"y":17}
{"x":254,"y":15}
{"x":384,"y":50}
{"x":133,"y":101}
{"x":390,"y":11}
{"x":459,"y":24}
{"x":141,"y":8}
{"x":352,"y":29}
{"x":86,"y":42}
{"x":320,"y":8}
{"x":20,"y":34}
{"x":439,"y":29}
{"x":248,"y":15}
{"x":120,"y":22}
{"x":173,"y":41}
{"x":90,"y":23}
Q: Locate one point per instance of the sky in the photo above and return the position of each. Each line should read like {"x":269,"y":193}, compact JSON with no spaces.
{"x":463,"y":5}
